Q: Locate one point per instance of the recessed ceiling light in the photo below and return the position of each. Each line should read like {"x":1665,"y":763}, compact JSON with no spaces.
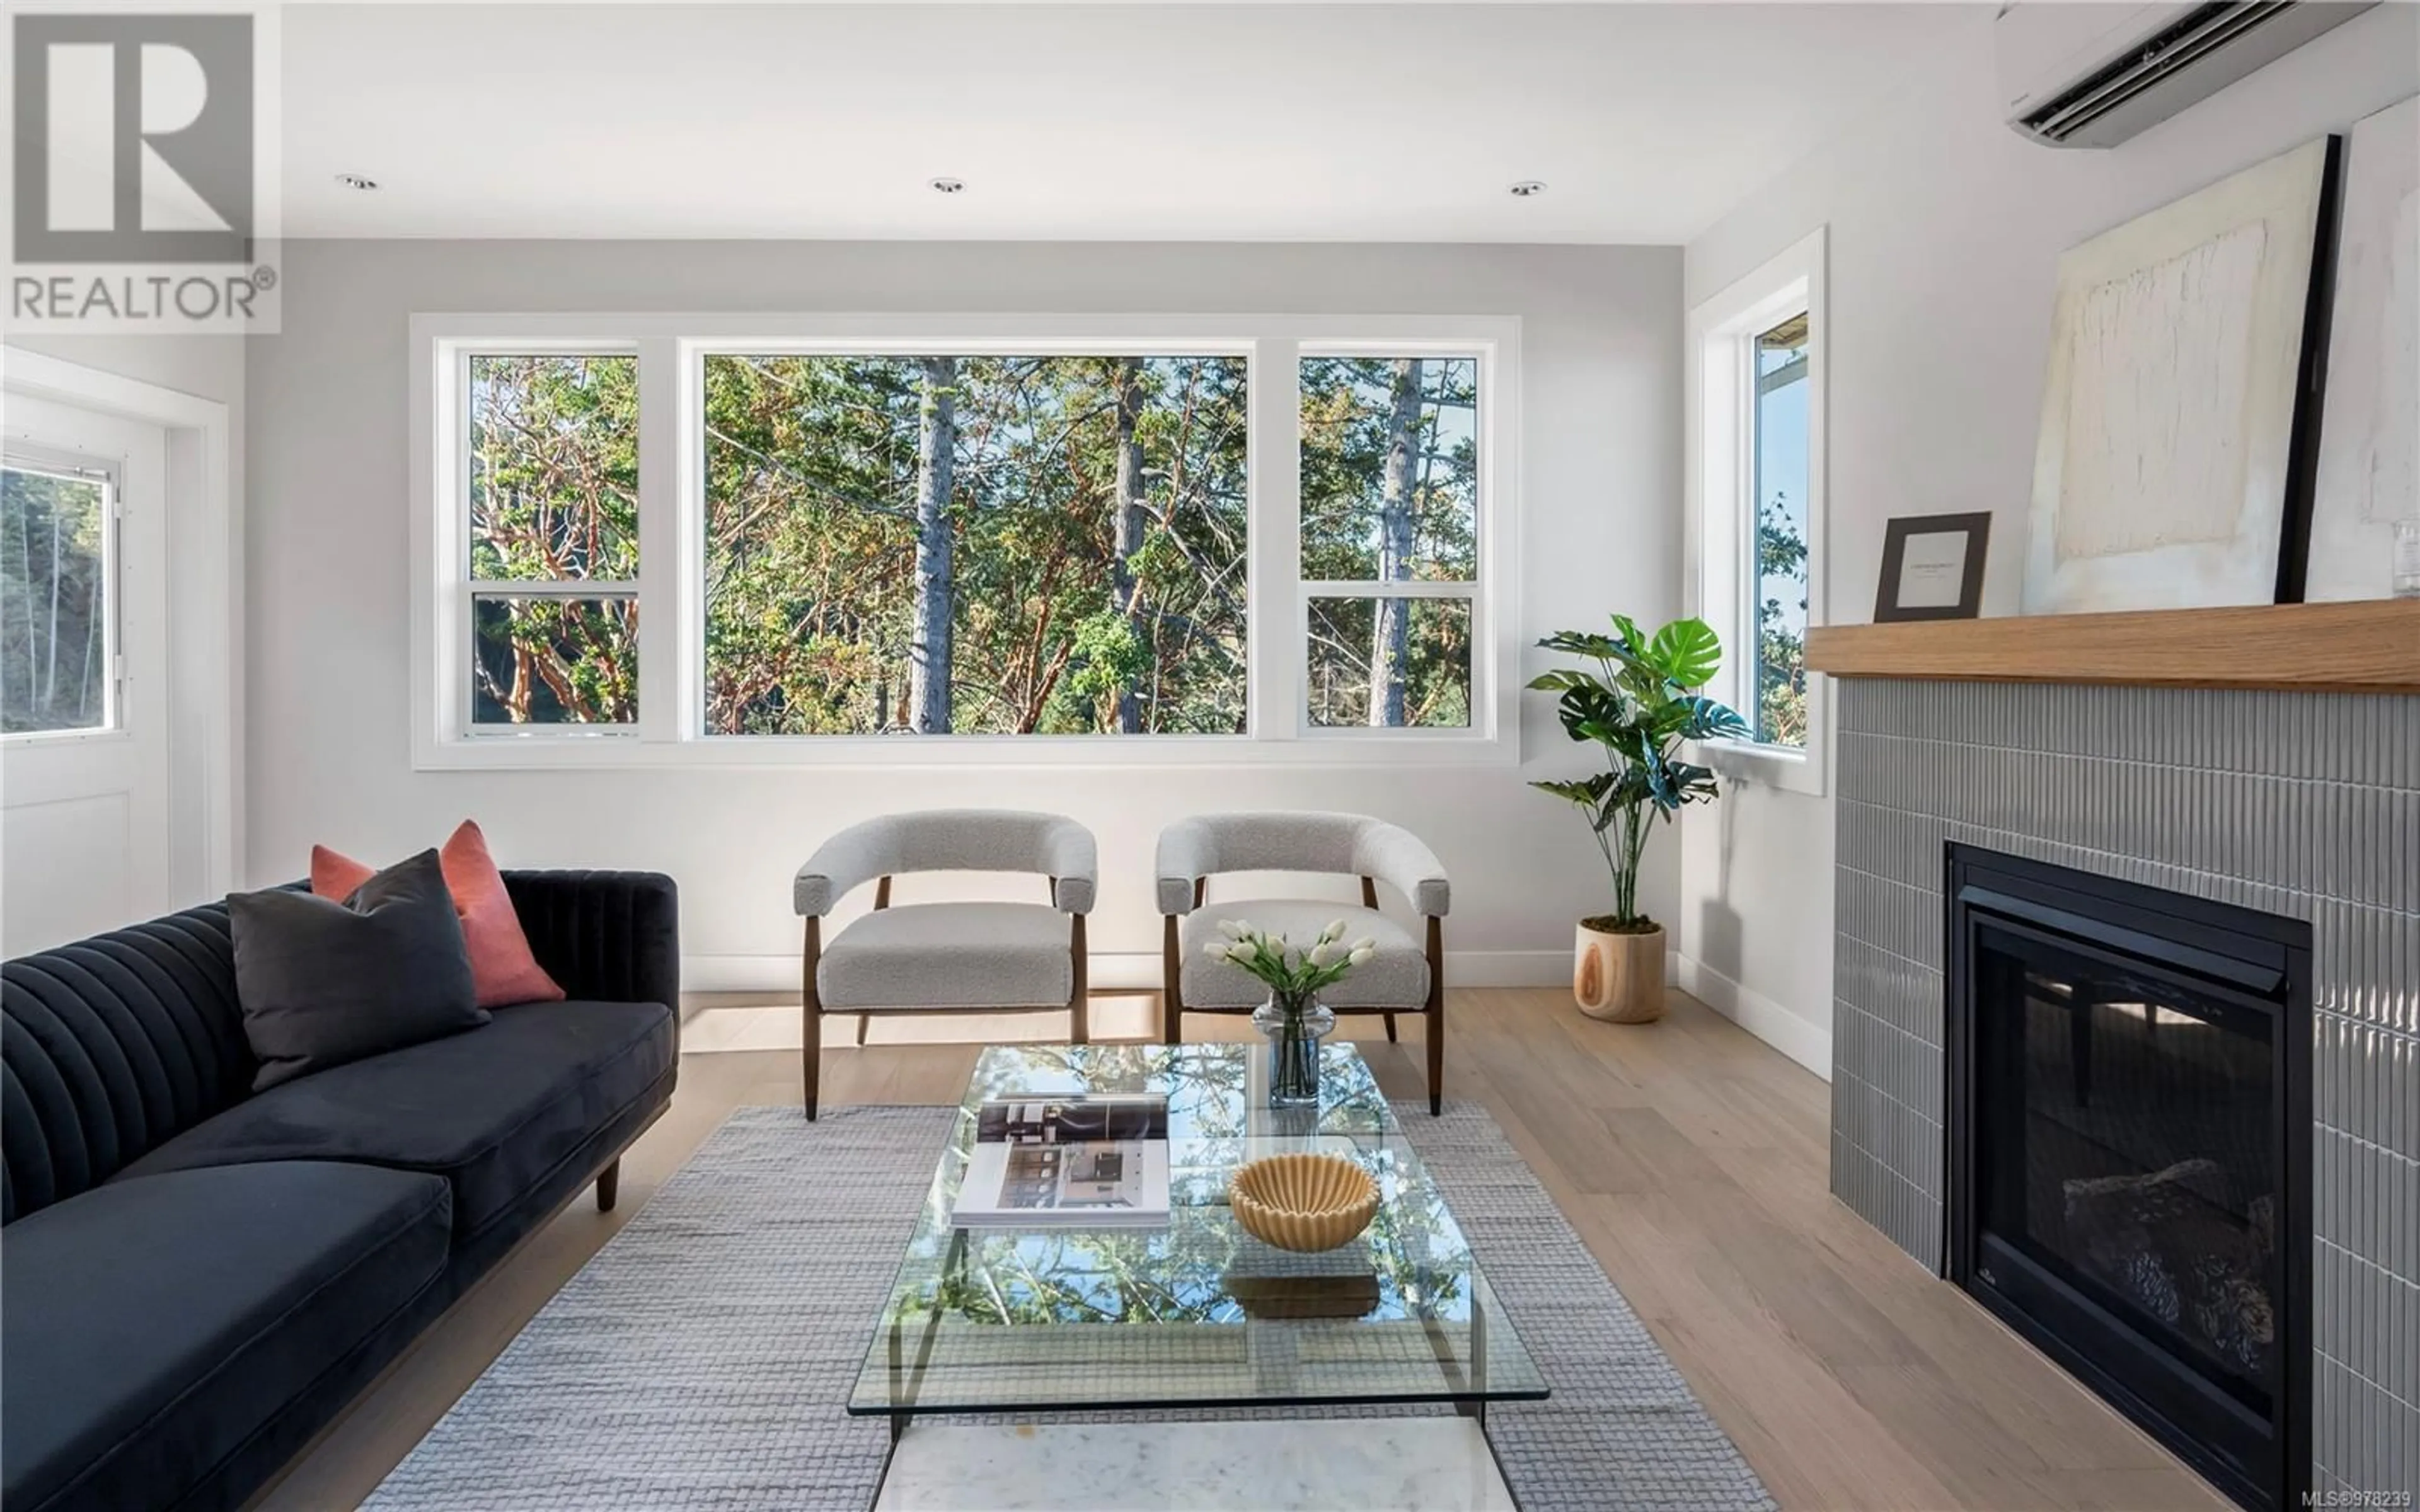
{"x":949,"y":186}
{"x":354,"y":180}
{"x":1528,"y":189}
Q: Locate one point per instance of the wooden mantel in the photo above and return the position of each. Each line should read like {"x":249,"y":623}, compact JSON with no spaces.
{"x":2370,"y":647}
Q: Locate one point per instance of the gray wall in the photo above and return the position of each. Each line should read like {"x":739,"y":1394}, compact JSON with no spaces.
{"x":2304,"y":805}
{"x":331,"y":651}
{"x":1944,"y":234}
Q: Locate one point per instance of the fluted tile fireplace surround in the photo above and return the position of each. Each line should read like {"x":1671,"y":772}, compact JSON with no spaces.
{"x":2126,"y":1032}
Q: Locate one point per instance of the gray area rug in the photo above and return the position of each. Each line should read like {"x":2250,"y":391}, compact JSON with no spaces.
{"x":702,"y":1357}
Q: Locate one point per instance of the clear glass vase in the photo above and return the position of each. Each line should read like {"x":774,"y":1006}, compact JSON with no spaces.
{"x":1294,"y":1027}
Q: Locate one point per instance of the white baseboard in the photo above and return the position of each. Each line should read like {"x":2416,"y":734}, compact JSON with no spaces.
{"x":1806,"y":1043}
{"x":1129,"y":971}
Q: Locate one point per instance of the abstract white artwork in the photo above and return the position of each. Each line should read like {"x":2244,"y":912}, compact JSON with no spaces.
{"x":2161,"y":473}
{"x":2369,"y":432}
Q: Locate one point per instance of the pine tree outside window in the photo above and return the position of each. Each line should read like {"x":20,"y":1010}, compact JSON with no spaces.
{"x":976,"y":544}
{"x":1389,"y":532}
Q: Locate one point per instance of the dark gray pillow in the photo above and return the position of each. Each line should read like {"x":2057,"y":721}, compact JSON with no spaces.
{"x":323,"y":983}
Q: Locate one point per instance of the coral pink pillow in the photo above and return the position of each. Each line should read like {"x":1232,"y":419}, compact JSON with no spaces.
{"x":501,"y":967}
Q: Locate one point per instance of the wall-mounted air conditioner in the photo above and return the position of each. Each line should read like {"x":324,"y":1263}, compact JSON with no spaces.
{"x":2093,"y":75}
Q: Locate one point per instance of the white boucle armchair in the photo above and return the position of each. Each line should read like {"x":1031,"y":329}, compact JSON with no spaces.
{"x":948,"y":957}
{"x":1405,"y":976}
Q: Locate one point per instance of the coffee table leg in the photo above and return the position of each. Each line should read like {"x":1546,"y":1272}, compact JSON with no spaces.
{"x":1458,"y":1376}
{"x":1479,"y":1357}
{"x":903,"y":1379}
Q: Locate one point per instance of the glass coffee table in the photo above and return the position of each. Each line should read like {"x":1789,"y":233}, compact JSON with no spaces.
{"x":1049,"y":1323}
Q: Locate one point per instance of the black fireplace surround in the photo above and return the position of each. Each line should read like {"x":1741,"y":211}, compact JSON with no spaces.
{"x":2129,"y":1130}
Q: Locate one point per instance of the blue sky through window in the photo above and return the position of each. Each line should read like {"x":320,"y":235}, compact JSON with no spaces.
{"x":1781,"y":494}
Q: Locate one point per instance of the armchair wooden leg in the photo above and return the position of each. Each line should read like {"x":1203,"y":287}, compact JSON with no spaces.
{"x":864,"y":1022}
{"x":1435,"y":1010}
{"x":1080,"y":963}
{"x":1171,"y":1001}
{"x":1390,"y":1028}
{"x":609,"y":1186}
{"x":811,"y":1015}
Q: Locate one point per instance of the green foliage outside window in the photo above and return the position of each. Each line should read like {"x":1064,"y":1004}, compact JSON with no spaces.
{"x":554,"y":498}
{"x":53,"y":602}
{"x":987,"y":545}
{"x":1780,"y":642}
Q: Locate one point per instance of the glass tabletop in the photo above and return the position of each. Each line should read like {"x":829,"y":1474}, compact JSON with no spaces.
{"x":1195,"y":1312}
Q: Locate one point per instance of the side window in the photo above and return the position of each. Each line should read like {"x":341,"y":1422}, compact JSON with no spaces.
{"x":552,"y":447}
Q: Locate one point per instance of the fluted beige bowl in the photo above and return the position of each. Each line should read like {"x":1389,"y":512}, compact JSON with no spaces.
{"x":1303,"y":1202}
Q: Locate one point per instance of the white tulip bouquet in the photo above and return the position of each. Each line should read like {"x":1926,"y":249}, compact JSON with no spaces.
{"x":1292,"y":972}
{"x":1294,"y":1019}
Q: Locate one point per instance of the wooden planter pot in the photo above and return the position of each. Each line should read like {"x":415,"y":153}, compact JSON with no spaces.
{"x":1618,"y":977}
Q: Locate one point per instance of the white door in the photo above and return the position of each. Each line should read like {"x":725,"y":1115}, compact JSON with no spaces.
{"x":85,"y":819}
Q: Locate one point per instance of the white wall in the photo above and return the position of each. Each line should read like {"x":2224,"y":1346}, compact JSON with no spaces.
{"x":329,"y":647}
{"x":1946,"y":228}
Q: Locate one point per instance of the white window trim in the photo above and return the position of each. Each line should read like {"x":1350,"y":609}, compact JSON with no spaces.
{"x":1717,"y":423}
{"x":671,"y":350}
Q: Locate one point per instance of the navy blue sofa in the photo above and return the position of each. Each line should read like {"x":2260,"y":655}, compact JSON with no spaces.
{"x":195,"y":1278}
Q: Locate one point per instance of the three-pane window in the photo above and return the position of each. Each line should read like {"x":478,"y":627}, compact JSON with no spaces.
{"x":805,"y":539}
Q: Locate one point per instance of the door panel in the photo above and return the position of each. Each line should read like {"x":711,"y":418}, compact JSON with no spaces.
{"x":67,"y":869}
{"x":83,"y":793}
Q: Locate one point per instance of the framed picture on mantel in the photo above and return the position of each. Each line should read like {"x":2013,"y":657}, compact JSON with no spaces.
{"x":1932,"y":567}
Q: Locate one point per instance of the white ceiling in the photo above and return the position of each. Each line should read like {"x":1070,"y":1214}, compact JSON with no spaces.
{"x":1238,"y":122}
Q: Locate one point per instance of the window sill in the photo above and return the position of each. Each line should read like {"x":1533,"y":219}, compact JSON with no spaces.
{"x":1780,"y":767}
{"x":1350,"y":748}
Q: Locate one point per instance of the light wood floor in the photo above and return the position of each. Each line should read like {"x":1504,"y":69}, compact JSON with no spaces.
{"x":1689,"y":1156}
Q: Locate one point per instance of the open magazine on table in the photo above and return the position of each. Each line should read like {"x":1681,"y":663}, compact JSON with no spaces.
{"x":1077,"y":1162}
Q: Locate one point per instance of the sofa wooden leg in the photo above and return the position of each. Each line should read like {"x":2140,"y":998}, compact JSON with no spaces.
{"x":1390,"y":1028}
{"x":609,"y":1186}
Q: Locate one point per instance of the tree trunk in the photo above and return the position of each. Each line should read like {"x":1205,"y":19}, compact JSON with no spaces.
{"x":517,"y":699}
{"x":51,"y":675}
{"x":94,"y":630}
{"x":26,"y":571}
{"x":928,"y":655}
{"x":1390,"y":642}
{"x":1126,"y":593}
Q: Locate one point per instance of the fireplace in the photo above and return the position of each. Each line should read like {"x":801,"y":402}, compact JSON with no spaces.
{"x":2129,"y":1162}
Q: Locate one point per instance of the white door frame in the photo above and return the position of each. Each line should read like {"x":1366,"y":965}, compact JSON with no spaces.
{"x":205,"y":613}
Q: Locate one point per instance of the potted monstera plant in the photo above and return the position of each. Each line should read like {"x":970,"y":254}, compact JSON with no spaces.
{"x":1636,"y":701}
